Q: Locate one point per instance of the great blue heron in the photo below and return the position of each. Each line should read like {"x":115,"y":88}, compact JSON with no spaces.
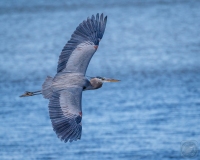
{"x":64,"y":91}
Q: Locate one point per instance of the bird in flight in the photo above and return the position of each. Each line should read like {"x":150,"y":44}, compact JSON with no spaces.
{"x":64,"y":90}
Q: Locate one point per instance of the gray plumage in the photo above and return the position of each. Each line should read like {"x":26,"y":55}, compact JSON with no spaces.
{"x":87,"y":34}
{"x":64,"y":91}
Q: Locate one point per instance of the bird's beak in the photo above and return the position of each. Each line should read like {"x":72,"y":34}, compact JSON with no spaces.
{"x":110,"y":80}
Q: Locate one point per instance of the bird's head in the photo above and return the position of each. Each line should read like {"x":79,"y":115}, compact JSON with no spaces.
{"x":97,"y":82}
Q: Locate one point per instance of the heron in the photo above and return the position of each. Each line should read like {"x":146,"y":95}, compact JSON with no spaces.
{"x":64,"y":90}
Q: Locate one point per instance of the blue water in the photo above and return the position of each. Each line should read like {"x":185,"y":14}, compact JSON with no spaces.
{"x":152,"y":46}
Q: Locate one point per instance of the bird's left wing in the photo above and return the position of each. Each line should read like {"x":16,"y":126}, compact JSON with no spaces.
{"x":78,"y":51}
{"x":66,"y":113}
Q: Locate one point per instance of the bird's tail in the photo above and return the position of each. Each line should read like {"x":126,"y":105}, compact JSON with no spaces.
{"x":27,"y":93}
{"x":46,"y":88}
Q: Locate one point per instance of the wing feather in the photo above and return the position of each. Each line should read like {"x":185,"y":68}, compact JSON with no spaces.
{"x":64,"y":111}
{"x":91,"y":30}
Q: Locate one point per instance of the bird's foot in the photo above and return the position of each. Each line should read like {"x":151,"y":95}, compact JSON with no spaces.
{"x":27,"y":93}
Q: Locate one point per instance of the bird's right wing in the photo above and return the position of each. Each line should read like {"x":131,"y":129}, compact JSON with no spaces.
{"x":66,"y":113}
{"x":78,"y":51}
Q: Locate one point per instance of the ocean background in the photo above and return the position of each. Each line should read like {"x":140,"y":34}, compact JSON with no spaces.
{"x":152,"y":46}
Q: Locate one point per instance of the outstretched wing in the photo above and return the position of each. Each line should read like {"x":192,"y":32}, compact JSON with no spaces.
{"x":66,"y":113}
{"x":78,"y":51}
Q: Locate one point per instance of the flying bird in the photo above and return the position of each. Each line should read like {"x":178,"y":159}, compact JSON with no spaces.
{"x":64,"y":90}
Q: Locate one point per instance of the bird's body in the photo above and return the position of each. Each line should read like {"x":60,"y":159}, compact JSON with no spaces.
{"x":64,"y":90}
{"x":67,"y":79}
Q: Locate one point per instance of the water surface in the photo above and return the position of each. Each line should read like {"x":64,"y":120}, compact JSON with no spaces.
{"x":152,"y":47}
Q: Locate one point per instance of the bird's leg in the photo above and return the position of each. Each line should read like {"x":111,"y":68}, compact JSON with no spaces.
{"x":27,"y":93}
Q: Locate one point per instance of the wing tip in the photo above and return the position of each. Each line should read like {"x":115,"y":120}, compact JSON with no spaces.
{"x":101,"y":15}
{"x":68,"y":135}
